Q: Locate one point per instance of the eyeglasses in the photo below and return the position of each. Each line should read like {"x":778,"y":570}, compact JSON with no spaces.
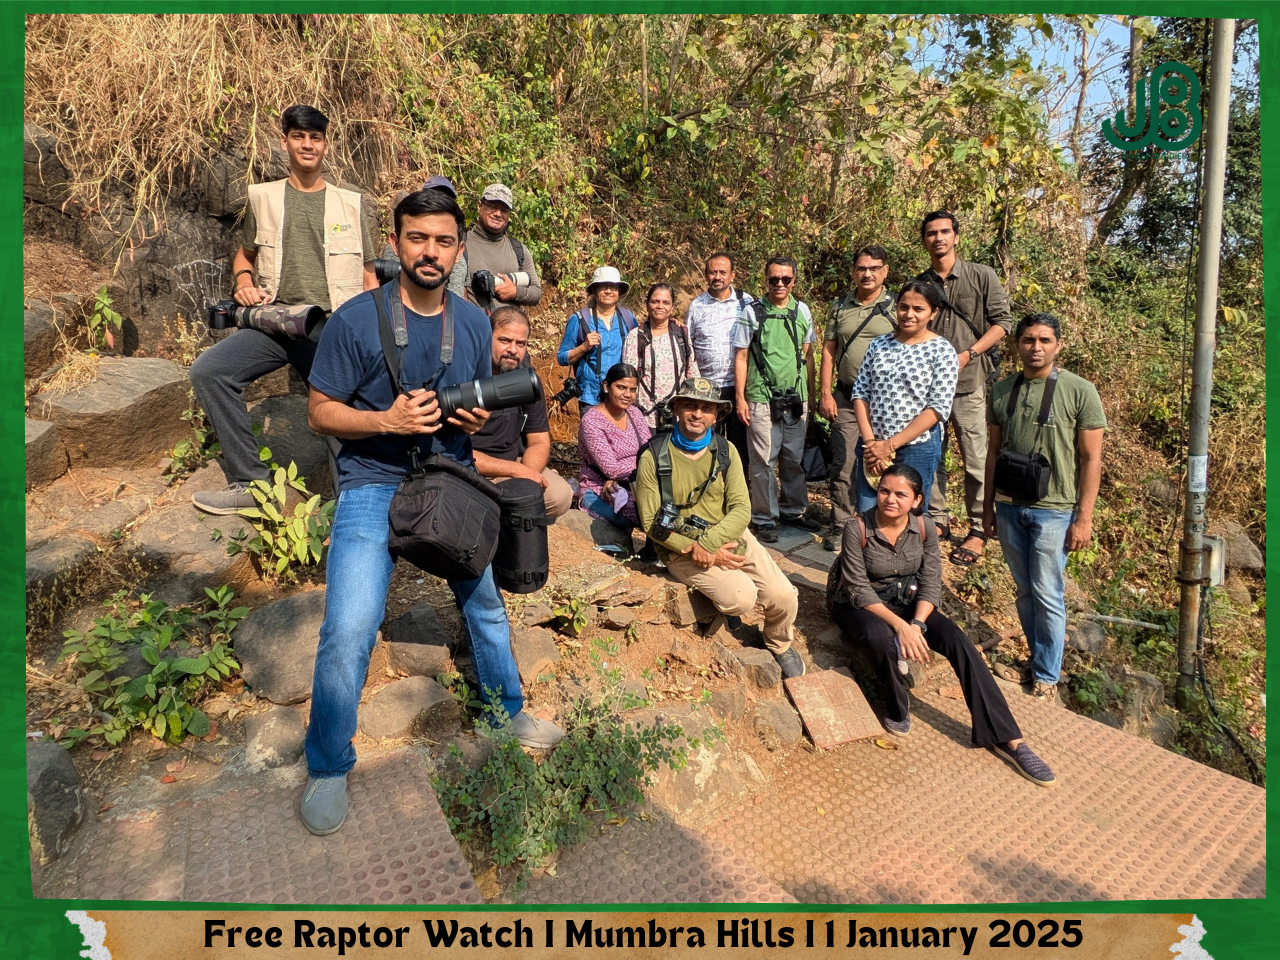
{"x":780,"y":281}
{"x":875,"y":269}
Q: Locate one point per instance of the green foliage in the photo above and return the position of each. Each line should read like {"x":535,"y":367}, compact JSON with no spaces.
{"x":102,"y":320}
{"x":571,"y":616}
{"x":283,"y":538}
{"x":189,"y":455}
{"x":1094,"y":689}
{"x":461,"y":691}
{"x":182,"y":659}
{"x":521,"y":809}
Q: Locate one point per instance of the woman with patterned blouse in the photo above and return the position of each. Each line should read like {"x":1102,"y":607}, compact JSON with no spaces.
{"x":610,"y":437}
{"x":902,"y":396}
{"x":661,"y":351}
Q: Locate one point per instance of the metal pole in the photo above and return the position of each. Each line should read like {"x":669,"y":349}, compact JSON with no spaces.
{"x":1191,"y":566}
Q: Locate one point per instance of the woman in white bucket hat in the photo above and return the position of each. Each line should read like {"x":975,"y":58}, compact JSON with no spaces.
{"x":594,"y":336}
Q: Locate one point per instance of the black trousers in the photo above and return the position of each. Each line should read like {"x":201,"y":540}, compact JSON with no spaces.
{"x":733,"y":429}
{"x":989,"y":714}
{"x":219,"y":377}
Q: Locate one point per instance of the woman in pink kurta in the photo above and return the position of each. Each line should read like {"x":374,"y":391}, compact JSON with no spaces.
{"x":610,"y":437}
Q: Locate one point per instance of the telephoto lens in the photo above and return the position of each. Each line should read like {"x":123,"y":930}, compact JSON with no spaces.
{"x":511,"y":389}
{"x":387,"y":269}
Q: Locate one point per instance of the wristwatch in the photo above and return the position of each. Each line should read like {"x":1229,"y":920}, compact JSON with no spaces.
{"x":920,"y":624}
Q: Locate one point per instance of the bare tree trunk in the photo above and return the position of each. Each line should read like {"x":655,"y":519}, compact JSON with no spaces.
{"x":1085,"y":74}
{"x":1135,"y":51}
{"x":677,"y":54}
{"x":644,"y":69}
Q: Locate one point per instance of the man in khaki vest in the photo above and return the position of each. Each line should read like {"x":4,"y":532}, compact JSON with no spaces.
{"x":303,"y":242}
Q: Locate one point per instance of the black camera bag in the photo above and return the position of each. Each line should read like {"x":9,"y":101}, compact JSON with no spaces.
{"x":1025,"y":476}
{"x":444,"y":516}
{"x":521,"y":562}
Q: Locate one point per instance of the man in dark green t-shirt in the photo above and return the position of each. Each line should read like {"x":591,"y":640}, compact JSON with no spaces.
{"x":299,"y":245}
{"x":1039,"y":523}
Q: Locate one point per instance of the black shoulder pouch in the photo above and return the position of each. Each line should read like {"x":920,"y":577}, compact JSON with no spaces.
{"x":1025,"y":476}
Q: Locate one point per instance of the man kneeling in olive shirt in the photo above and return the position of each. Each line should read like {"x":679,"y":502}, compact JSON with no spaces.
{"x":693,"y":502}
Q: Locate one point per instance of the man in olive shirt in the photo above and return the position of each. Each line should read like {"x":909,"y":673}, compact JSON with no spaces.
{"x":303,"y":242}
{"x":974,"y":318}
{"x":708,"y":545}
{"x":857,"y":318}
{"x":1037,"y":531}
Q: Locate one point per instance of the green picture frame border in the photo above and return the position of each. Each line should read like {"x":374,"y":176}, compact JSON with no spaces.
{"x":38,"y":929}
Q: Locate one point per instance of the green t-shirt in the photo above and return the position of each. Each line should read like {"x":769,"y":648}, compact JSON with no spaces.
{"x":847,"y":315}
{"x":725,"y":505}
{"x":302,"y":276}
{"x":784,"y":333}
{"x":1075,"y":407}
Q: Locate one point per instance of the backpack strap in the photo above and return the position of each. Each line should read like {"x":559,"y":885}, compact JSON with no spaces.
{"x":659,"y":447}
{"x":517,"y":248}
{"x":1046,"y":401}
{"x":879,"y":309}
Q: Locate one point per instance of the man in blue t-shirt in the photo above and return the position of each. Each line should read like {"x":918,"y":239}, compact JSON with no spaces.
{"x":352,"y":398}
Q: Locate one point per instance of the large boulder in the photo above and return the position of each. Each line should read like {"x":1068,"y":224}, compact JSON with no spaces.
{"x":712,"y":776}
{"x":274,"y":738}
{"x":1243,"y":554}
{"x":55,"y":805}
{"x":46,"y":457}
{"x":600,"y":532}
{"x":414,"y":705}
{"x":777,"y":723}
{"x":276,"y":646}
{"x":41,"y":336}
{"x":58,"y":564}
{"x":286,"y":434}
{"x":535,"y":651}
{"x":1087,"y":636}
{"x":129,"y":416}
{"x":417,"y":642}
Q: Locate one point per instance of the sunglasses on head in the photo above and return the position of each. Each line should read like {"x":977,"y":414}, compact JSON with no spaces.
{"x":780,"y":281}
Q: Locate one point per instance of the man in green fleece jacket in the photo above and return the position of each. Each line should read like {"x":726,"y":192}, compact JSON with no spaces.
{"x":709,"y":546}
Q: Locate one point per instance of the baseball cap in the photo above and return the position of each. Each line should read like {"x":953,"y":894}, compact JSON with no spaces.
{"x":441,"y":183}
{"x":498,"y":193}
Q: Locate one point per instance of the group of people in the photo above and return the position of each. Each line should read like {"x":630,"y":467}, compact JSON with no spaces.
{"x":691,"y":431}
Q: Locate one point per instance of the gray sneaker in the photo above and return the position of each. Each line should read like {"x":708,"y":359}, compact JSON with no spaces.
{"x":324,"y":805}
{"x":226,"y":502}
{"x":534,"y":733}
{"x":792,"y":663}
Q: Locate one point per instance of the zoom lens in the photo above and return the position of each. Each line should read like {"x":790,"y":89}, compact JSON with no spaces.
{"x":514,"y":388}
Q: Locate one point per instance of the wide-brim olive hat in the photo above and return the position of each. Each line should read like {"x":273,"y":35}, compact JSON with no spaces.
{"x":608,"y":275}
{"x":700,"y":388}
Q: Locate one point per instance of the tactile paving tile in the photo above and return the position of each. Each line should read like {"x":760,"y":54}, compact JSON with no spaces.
{"x":653,"y":862}
{"x":938,"y":821}
{"x":248,"y":845}
{"x":833,"y":707}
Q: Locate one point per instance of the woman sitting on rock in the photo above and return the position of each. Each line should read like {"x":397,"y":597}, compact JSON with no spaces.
{"x":610,"y":438}
{"x":890,"y":585}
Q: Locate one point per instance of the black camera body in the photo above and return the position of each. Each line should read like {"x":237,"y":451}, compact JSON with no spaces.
{"x":669,"y":521}
{"x":664,"y":417}
{"x":514,"y":388}
{"x":787,"y":407}
{"x":567,"y":392}
{"x":484,"y":286}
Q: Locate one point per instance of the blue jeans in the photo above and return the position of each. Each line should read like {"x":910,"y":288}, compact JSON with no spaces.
{"x":358,"y":575}
{"x":1034,"y":541}
{"x":601,"y":509}
{"x":923,"y":456}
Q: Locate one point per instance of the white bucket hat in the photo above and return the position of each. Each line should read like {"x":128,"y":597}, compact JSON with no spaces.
{"x":608,"y":275}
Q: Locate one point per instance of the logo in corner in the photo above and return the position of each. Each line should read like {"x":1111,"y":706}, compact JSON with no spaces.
{"x":1174,"y":120}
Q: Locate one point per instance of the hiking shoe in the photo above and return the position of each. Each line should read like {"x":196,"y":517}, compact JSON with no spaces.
{"x":792,"y":663}
{"x":535,"y":733}
{"x":324,"y":804}
{"x":803,"y":522}
{"x":765,"y":532}
{"x":648,"y":554}
{"x":1027,"y":764}
{"x":1046,"y":692}
{"x":899,"y":728}
{"x":225,"y":502}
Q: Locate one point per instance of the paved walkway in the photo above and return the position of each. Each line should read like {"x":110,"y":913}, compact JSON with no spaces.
{"x":934,"y":821}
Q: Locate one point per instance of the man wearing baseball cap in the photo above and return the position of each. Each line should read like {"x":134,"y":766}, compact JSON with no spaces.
{"x":692,"y":498}
{"x":491,"y":248}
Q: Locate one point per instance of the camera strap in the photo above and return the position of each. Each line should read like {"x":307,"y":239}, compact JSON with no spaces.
{"x":1046,"y":401}
{"x":761,"y":310}
{"x":394,"y":336}
{"x":879,"y":309}
{"x":679,"y":361}
{"x":660,"y":449}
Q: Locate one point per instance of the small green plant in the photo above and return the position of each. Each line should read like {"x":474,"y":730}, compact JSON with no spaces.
{"x":461,"y":691}
{"x":571,"y":617}
{"x":1094,"y":688}
{"x":521,"y":810}
{"x":189,"y":455}
{"x":102,"y":320}
{"x":282,"y":538}
{"x":162,"y":700}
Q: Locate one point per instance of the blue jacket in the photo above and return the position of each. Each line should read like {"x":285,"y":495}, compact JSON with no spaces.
{"x":592,"y":367}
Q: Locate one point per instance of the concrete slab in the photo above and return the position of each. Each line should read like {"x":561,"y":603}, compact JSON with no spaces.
{"x":833,"y":707}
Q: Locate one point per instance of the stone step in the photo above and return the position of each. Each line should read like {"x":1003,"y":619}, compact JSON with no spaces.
{"x":46,"y":457}
{"x":130,"y":415}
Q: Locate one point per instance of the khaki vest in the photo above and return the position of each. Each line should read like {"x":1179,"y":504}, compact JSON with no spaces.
{"x":343,"y":249}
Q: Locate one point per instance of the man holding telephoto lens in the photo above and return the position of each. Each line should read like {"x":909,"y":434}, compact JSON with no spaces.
{"x":353,"y":398}
{"x":308,"y":243}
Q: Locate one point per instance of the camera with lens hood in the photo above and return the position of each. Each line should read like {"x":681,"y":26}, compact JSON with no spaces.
{"x":300,"y":321}
{"x":514,"y":388}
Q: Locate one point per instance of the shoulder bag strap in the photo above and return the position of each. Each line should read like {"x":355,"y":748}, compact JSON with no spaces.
{"x":879,"y":308}
{"x":761,"y":311}
{"x":392,"y":344}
